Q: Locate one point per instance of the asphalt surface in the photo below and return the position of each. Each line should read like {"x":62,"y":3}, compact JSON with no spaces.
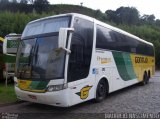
{"x":132,"y":102}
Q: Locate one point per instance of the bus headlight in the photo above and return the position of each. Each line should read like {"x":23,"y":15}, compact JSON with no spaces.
{"x":56,"y":87}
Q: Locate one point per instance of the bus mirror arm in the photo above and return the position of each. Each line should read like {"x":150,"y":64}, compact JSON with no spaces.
{"x":67,"y":50}
{"x":63,"y":34}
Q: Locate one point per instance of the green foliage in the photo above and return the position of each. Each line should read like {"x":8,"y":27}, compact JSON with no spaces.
{"x":7,"y":94}
{"x":41,"y":5}
{"x":148,"y":19}
{"x":15,"y":22}
{"x":4,"y":1}
{"x":23,"y":1}
{"x":124,"y":15}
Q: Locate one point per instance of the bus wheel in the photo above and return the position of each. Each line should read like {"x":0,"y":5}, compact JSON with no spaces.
{"x":149,"y":76}
{"x":145,"y":79}
{"x":101,"y":90}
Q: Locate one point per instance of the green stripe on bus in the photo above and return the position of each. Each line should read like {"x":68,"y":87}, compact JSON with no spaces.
{"x":129,"y":66}
{"x":38,"y":85}
{"x":124,"y":65}
{"x":42,"y":85}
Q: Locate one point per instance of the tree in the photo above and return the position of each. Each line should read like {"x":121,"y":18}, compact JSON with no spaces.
{"x":124,"y":15}
{"x":127,"y":15}
{"x":31,"y":1}
{"x":158,"y":22}
{"x":111,"y":16}
{"x":41,"y":5}
{"x":23,"y":1}
{"x":26,"y":1}
{"x":4,"y":1}
{"x":41,"y":2}
{"x":151,"y":18}
{"x":14,"y":1}
{"x":148,"y":18}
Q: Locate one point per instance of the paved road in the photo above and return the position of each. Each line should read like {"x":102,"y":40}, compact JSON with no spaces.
{"x":132,"y":100}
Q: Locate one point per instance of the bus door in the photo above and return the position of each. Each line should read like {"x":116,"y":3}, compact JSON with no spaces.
{"x":78,"y":77}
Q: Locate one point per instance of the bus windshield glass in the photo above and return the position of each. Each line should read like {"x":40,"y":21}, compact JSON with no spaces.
{"x":46,"y":26}
{"x":39,"y":58}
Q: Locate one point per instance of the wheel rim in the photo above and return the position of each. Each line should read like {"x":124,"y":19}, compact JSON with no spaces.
{"x":101,"y":89}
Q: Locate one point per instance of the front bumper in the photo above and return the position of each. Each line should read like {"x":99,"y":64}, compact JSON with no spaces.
{"x":57,"y":98}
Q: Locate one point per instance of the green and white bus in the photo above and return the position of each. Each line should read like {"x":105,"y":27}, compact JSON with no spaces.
{"x":10,"y":46}
{"x":68,"y":59}
{"x":1,"y":58}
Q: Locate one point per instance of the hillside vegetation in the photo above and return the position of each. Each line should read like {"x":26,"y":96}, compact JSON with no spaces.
{"x":14,"y":17}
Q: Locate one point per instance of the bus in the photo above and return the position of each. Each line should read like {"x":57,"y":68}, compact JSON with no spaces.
{"x":1,"y":45}
{"x":1,"y":58}
{"x":71,"y":58}
{"x":10,"y":46}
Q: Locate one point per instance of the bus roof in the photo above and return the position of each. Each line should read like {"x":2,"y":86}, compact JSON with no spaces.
{"x":97,"y":22}
{"x":62,"y":15}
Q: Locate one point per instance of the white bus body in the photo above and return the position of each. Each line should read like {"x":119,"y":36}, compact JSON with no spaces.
{"x":86,"y":63}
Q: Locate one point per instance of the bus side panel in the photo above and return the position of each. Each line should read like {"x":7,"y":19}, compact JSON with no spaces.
{"x":141,"y":64}
{"x":125,"y":68}
{"x":106,"y":66}
{"x":81,"y":90}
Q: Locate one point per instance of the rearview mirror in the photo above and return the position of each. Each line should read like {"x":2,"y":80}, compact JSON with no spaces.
{"x":63,"y":37}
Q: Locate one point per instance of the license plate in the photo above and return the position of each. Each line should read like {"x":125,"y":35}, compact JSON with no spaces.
{"x":32,"y":97}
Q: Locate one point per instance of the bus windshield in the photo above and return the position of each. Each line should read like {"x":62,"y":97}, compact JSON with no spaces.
{"x":46,"y":26}
{"x":39,"y":57}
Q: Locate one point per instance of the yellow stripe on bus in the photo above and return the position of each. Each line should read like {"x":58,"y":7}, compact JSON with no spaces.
{"x":141,"y":64}
{"x":24,"y":84}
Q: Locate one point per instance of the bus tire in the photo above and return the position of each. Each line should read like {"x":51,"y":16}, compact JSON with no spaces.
{"x":101,"y":90}
{"x":149,"y":74}
{"x":145,"y":79}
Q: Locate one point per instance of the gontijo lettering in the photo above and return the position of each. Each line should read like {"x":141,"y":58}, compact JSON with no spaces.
{"x":141,"y":59}
{"x":103,"y":60}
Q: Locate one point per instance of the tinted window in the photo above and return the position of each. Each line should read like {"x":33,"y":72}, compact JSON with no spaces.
{"x":81,"y":50}
{"x":39,"y":59}
{"x":142,"y":48}
{"x":103,"y":38}
{"x":112,"y":40}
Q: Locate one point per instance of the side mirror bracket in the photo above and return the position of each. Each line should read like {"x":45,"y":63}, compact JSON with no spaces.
{"x":63,"y":37}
